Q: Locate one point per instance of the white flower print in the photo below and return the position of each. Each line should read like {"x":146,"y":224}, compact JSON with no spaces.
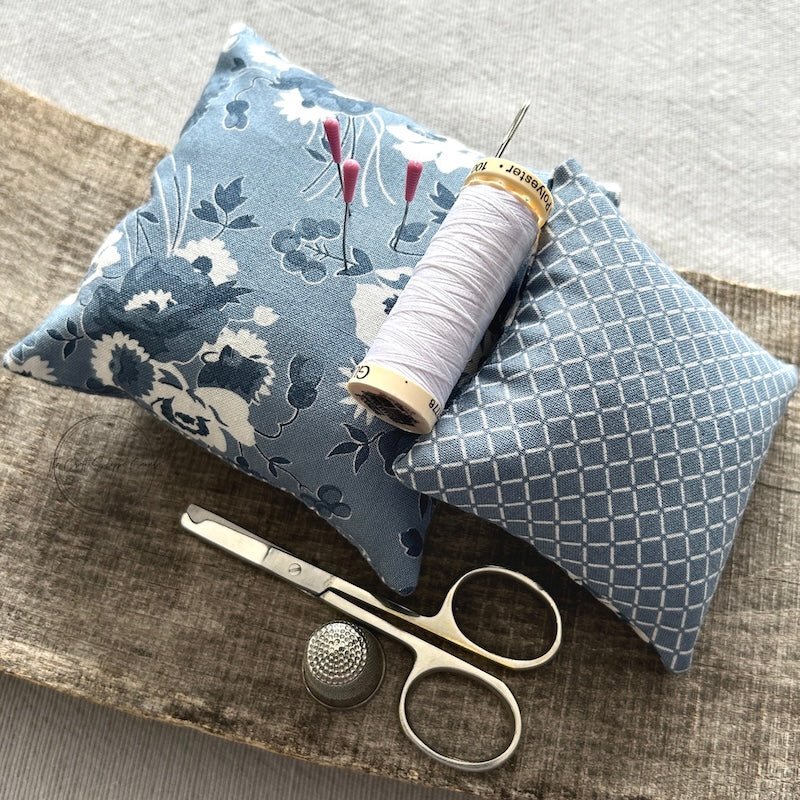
{"x":229,"y":350}
{"x":231,"y":410}
{"x":264,"y":316}
{"x":122,"y":363}
{"x":449,"y":154}
{"x":370,"y":310}
{"x":35,"y":367}
{"x":194,"y":418}
{"x":158,"y":296}
{"x":223,"y":266}
{"x":245,"y":343}
{"x":292,"y":106}
{"x":106,"y":255}
{"x":349,"y":400}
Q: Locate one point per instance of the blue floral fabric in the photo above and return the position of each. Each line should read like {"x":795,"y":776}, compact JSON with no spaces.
{"x":232,"y":306}
{"x":618,"y":426}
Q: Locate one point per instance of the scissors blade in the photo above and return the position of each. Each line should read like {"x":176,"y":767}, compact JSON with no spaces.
{"x":254,"y":550}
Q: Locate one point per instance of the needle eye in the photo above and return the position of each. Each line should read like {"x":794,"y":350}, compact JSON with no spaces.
{"x":517,"y":121}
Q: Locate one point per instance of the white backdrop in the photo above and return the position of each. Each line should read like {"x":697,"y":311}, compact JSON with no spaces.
{"x":692,"y":108}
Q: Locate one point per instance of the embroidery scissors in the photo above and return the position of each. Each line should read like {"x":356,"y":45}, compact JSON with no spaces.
{"x":356,"y":603}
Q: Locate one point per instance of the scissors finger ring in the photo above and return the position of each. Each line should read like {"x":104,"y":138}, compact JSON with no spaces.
{"x":360,"y":604}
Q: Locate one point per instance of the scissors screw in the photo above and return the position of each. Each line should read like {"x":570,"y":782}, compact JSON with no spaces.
{"x":295,"y":569}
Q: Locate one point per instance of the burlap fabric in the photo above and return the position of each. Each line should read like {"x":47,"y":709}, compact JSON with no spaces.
{"x":103,"y":596}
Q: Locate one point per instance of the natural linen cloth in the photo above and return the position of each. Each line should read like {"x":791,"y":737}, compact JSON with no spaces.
{"x":102,"y":596}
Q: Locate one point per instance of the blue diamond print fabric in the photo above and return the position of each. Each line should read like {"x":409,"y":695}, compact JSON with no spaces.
{"x":618,"y":426}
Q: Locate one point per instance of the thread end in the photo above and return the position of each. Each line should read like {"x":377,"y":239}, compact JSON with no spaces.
{"x":394,"y":398}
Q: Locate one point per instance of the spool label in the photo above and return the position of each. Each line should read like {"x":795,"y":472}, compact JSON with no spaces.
{"x":522,"y":183}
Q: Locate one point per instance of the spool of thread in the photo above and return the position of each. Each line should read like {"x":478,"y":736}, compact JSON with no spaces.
{"x":457,"y":286}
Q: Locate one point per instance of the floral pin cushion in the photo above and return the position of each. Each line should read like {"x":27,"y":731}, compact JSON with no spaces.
{"x":231,"y":306}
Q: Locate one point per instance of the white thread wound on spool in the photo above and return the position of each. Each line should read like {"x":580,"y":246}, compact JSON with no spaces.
{"x":455,"y":289}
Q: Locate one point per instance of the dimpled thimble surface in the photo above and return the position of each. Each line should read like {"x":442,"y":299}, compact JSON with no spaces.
{"x":343,"y":664}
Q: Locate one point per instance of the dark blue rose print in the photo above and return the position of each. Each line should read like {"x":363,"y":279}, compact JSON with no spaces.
{"x":170,"y":330}
{"x":131,"y":373}
{"x":234,"y":372}
{"x":194,"y":424}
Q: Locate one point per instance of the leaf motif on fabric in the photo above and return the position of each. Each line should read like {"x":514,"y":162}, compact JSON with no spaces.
{"x":245,"y":221}
{"x":361,"y":456}
{"x":362,"y":265}
{"x":206,"y":212}
{"x":356,"y":434}
{"x":343,"y":448}
{"x":411,"y":232}
{"x":229,"y":197}
{"x":442,"y":196}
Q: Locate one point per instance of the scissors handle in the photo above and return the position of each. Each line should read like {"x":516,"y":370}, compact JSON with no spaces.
{"x":444,"y":624}
{"x":431,"y":660}
{"x":428,"y":660}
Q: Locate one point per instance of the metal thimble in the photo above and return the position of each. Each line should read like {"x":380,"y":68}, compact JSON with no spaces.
{"x":343,"y":664}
